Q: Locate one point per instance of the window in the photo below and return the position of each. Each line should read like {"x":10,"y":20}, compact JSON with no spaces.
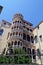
{"x":16,"y":33}
{"x":31,"y":30}
{"x":21,"y":43}
{"x":17,"y":27}
{"x":28,"y":38}
{"x":1,"y":31}
{"x":36,"y":40}
{"x":11,"y":51}
{"x":24,"y":36}
{"x":12,"y":43}
{"x":33,"y":53}
{"x":10,"y":34}
{"x":28,"y":29}
{"x":13,"y":22}
{"x":29,"y":50}
{"x":13,"y":33}
{"x":20,"y":21}
{"x":19,"y":34}
{"x":40,"y":37}
{"x":15,"y":43}
{"x":4,"y":23}
{"x":8,"y":44}
{"x":12,"y":27}
{"x":38,"y":27}
{"x":32,"y":40}
{"x":39,"y":53}
{"x":24,"y":48}
{"x":18,"y":42}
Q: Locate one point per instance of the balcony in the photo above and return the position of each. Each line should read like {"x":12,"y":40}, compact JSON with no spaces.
{"x":15,"y":37}
{"x":18,"y":24}
{"x":26,"y":31}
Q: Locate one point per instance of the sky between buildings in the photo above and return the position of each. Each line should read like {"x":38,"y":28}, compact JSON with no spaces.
{"x":32,"y":10}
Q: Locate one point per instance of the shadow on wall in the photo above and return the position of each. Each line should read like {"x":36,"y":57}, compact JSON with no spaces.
{"x":39,"y":53}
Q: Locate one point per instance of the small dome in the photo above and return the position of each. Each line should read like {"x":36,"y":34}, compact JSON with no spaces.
{"x":18,"y":15}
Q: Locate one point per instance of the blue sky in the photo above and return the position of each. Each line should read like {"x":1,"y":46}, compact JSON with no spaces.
{"x":32,"y":10}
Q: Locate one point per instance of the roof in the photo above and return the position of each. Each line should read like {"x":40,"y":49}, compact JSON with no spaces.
{"x":38,"y":25}
{"x":4,"y":21}
{"x":28,"y":22}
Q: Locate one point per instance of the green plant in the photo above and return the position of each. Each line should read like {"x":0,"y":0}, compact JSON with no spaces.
{"x":19,"y":58}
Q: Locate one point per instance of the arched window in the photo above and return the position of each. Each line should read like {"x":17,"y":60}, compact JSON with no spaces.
{"x":32,"y":40}
{"x":38,"y":53}
{"x":15,"y":43}
{"x":10,"y":34}
{"x":20,"y":21}
{"x":17,"y":27}
{"x":12,"y":27}
{"x":18,"y":42}
{"x":36,"y":39}
{"x":8,"y":44}
{"x":28,"y":38}
{"x":19,"y":33}
{"x":24,"y":48}
{"x":30,"y":30}
{"x":33,"y":53}
{"x":29,"y":50}
{"x":13,"y":22}
{"x":13,"y":33}
{"x":16,"y":33}
{"x":12,"y":43}
{"x":40,"y":37}
{"x":24,"y":36}
{"x":21,"y":43}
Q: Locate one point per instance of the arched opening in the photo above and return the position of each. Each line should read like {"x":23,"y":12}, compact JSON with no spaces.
{"x":24,"y":36}
{"x":13,"y":33}
{"x":15,"y":43}
{"x":8,"y":44}
{"x":21,"y":43}
{"x":18,"y":42}
{"x":32,"y":40}
{"x":29,"y":50}
{"x":28,"y":38}
{"x":10,"y":34}
{"x":33,"y":53}
{"x":36,"y":39}
{"x":16,"y":33}
{"x":12,"y":43}
{"x":24,"y":48}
